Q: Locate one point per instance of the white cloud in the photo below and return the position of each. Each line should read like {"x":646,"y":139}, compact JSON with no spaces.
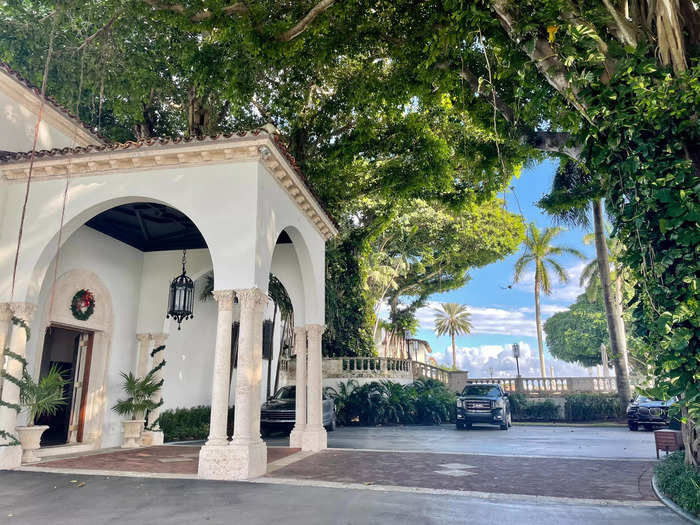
{"x":565,"y":292}
{"x":478,"y":360}
{"x":488,"y":320}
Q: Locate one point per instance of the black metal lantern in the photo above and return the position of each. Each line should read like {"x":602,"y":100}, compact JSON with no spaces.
{"x":181,"y":297}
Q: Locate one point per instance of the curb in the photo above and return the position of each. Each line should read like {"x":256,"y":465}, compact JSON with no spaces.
{"x":671,"y":505}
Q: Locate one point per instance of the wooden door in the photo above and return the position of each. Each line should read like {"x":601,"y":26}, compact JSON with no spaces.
{"x":81,"y":380}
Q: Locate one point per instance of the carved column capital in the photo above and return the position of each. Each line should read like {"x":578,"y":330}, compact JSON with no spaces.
{"x":159,"y":339}
{"x":252,"y":298}
{"x":5,"y":312}
{"x":224,"y":298}
{"x":143,"y":338}
{"x":24,"y":311}
{"x":315,"y":330}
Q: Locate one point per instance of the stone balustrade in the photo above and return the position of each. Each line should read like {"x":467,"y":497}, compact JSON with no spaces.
{"x":551,"y":386}
{"x":403,"y":370}
{"x":431,"y":372}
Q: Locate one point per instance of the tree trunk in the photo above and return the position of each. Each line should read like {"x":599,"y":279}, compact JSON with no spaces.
{"x":538,"y":322}
{"x":454,"y":352}
{"x":613,"y":313}
{"x":691,"y":439}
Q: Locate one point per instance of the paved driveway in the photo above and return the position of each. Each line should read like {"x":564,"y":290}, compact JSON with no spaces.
{"x":34,"y":498}
{"x":520,"y":440}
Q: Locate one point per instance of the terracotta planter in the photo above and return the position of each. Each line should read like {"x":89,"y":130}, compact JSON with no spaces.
{"x":30,"y":438}
{"x":132,"y":429}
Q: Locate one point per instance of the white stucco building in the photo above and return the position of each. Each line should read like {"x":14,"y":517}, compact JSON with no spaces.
{"x":114,"y":220}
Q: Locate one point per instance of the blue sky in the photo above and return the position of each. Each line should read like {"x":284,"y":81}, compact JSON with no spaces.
{"x":502,"y":315}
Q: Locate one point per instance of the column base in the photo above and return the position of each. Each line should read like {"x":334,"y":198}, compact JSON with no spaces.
{"x":296,"y":437}
{"x":151,"y":438}
{"x":314,"y":439}
{"x":232,"y":462}
{"x":10,"y":457}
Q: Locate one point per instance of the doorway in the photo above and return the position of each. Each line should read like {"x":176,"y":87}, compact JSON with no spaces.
{"x":70,"y":351}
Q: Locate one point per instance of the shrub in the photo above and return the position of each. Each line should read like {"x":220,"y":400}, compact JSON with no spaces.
{"x":187,"y":424}
{"x":523,"y":409}
{"x":425,"y":401}
{"x":679,"y":482}
{"x":592,"y":407}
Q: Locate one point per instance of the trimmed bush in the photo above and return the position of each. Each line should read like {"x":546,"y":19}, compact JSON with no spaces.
{"x":679,"y":482}
{"x":188,"y":424}
{"x":592,"y":407}
{"x":423,"y":402}
{"x":524,"y":409}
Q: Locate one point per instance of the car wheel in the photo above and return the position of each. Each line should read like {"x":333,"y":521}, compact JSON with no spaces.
{"x":504,"y":426}
{"x":633,"y":426}
{"x":460,"y":425}
{"x":648,"y":427}
{"x":510,"y":420}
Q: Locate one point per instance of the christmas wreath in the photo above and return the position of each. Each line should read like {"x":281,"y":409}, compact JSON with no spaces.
{"x":83,"y":305}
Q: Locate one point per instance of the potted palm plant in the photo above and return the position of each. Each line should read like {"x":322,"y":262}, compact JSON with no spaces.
{"x":139,"y":401}
{"x":38,"y":398}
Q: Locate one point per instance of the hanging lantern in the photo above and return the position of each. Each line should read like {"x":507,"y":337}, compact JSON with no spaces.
{"x":181,"y":297}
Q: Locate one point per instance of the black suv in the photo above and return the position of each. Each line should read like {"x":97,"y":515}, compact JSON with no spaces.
{"x":648,"y":412}
{"x":483,"y":403}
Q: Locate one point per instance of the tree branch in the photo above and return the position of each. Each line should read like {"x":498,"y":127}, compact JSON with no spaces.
{"x":100,"y":31}
{"x":238,"y":8}
{"x":301,"y":26}
{"x":543,"y":56}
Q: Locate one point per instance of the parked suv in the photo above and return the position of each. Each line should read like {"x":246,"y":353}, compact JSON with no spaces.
{"x":648,"y":412}
{"x":483,"y":403}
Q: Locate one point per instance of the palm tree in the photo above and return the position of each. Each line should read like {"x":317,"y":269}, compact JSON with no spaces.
{"x":453,"y":319}
{"x":573,"y":191}
{"x":538,"y":249}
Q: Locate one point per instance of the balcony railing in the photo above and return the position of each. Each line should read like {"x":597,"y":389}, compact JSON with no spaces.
{"x":551,"y":386}
{"x":370,"y":367}
{"x":430,"y":371}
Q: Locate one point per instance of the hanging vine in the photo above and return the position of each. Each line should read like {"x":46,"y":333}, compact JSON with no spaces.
{"x":12,"y":440}
{"x":159,"y":366}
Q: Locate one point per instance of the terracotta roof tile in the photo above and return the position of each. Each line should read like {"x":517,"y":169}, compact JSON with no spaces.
{"x":5,"y":68}
{"x":12,"y":157}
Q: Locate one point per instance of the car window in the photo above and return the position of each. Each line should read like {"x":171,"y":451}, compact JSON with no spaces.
{"x":286,"y":392}
{"x":482,"y":390}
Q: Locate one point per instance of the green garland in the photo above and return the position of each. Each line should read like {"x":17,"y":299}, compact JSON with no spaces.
{"x":80,"y":298}
{"x":160,"y":384}
{"x":12,"y":440}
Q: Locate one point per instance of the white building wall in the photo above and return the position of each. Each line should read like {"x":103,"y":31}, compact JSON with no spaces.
{"x":119,"y":267}
{"x":17,"y":125}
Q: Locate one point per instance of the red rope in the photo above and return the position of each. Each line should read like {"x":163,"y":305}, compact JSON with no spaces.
{"x":65,"y":191}
{"x":31,"y":158}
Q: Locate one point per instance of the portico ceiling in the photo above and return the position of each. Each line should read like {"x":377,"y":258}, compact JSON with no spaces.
{"x":152,"y":227}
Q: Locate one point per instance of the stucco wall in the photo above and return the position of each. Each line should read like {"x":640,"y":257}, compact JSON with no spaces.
{"x":119,"y":267}
{"x":17,"y":124}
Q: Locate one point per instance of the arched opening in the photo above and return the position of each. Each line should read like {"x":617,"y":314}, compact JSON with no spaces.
{"x":125,"y":257}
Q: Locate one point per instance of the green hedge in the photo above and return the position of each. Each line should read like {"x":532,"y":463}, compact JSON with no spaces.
{"x":679,"y":482}
{"x":423,"y":402}
{"x":187,"y":424}
{"x":592,"y":407}
{"x":523,"y":409}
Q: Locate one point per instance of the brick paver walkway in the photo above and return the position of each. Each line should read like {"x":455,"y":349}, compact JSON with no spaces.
{"x":571,"y":478}
{"x":160,"y":459}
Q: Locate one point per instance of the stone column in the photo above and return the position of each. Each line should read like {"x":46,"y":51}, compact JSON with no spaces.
{"x":295,"y":438}
{"x":314,"y":435}
{"x":10,"y":457}
{"x":215,"y":456}
{"x":155,"y":435}
{"x":144,"y":358}
{"x":250,"y":451}
{"x":5,"y":316}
